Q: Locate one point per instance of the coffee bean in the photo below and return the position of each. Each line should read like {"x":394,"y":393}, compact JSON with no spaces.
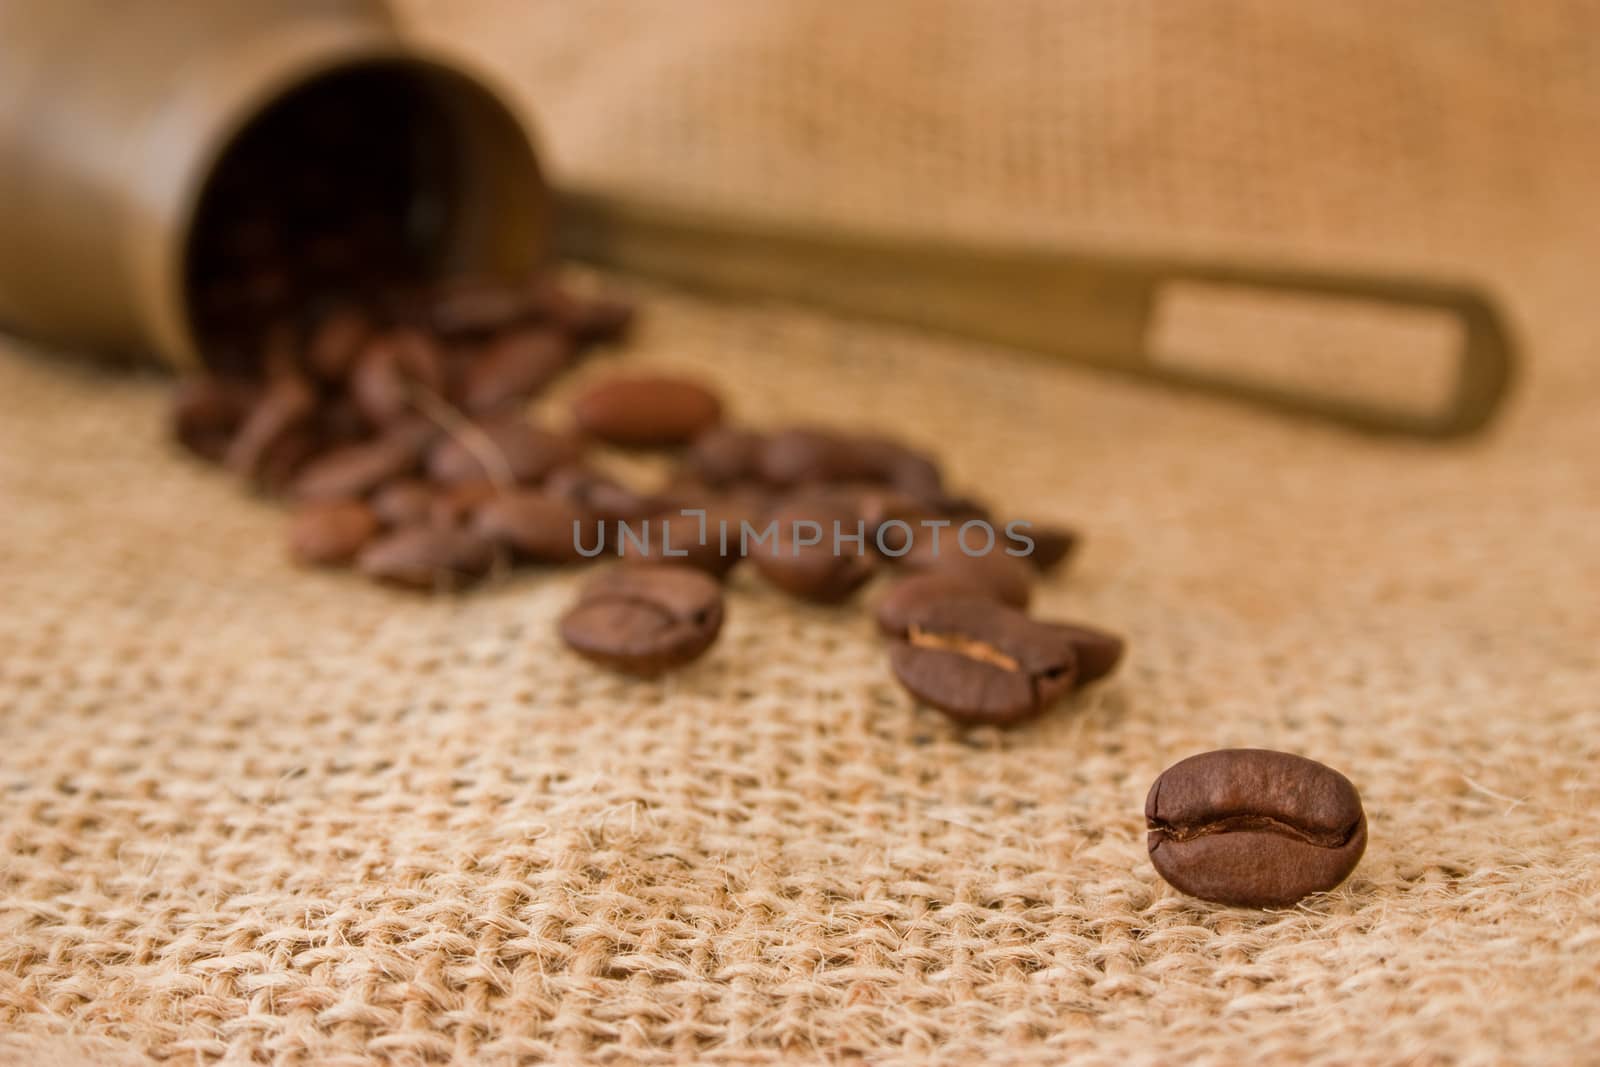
{"x":477,"y":307}
{"x":1253,"y":827}
{"x":513,"y":367}
{"x":285,"y":458}
{"x":804,"y":456}
{"x":815,"y":553}
{"x":535,"y":526}
{"x":724,"y":455}
{"x":355,"y":470}
{"x":1099,"y":652}
{"x":645,"y":618}
{"x":603,"y":320}
{"x":598,"y":495}
{"x":336,"y":342}
{"x":458,"y":504}
{"x":908,"y":596}
{"x":207,"y":412}
{"x":390,"y":369}
{"x":404,"y":502}
{"x":646,"y":412}
{"x":286,"y":404}
{"x":330,"y":533}
{"x":981,"y":662}
{"x":1006,"y":576}
{"x":440,"y":558}
{"x":1052,"y":545}
{"x":708,"y":543}
{"x":505,"y":447}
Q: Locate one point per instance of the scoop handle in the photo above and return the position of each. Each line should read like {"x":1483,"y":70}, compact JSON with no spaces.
{"x":1091,"y":308}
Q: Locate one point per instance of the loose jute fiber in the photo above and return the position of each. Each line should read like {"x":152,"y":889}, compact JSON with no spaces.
{"x":253,"y":814}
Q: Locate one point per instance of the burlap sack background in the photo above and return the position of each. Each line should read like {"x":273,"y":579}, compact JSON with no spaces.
{"x":252,"y":814}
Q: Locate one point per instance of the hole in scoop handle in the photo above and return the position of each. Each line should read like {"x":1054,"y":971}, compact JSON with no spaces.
{"x":1086,"y":307}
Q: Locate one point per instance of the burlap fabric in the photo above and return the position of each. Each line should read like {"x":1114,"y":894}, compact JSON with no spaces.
{"x":253,"y":814}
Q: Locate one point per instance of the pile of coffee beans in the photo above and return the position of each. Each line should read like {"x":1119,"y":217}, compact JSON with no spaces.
{"x":399,"y":434}
{"x":398,"y":431}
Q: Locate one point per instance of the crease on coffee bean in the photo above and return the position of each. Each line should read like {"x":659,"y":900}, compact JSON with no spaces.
{"x":963,"y":646}
{"x":1179,"y":834}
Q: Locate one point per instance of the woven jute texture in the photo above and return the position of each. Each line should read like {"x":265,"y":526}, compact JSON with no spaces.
{"x":253,"y":814}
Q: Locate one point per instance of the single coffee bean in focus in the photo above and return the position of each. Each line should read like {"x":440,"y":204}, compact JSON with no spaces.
{"x":1253,"y":827}
{"x":645,"y":618}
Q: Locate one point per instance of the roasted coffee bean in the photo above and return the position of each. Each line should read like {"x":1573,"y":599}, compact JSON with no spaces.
{"x":356,"y":470}
{"x":599,"y":495}
{"x":285,"y":458}
{"x":1008,"y":577}
{"x":513,"y":367}
{"x":330,"y":533}
{"x":391,"y":369}
{"x":724,"y":455}
{"x":1052,"y":546}
{"x":458,"y":504}
{"x":1253,"y":827}
{"x":645,"y":618}
{"x":908,"y":596}
{"x":646,"y":411}
{"x":405,"y":502}
{"x":602,"y":320}
{"x":981,"y":662}
{"x":1099,"y":652}
{"x":708,"y":543}
{"x":819,"y":549}
{"x":476,"y":307}
{"x":286,"y":404}
{"x":535,"y":526}
{"x":434,"y":557}
{"x":336,"y":342}
{"x":805,"y":456}
{"x":508,"y":447}
{"x":207,"y":412}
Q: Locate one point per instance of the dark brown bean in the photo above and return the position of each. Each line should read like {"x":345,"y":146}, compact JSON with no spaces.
{"x":1253,"y":827}
{"x":646,"y":411}
{"x":391,"y":368}
{"x":981,"y":662}
{"x":476,"y":307}
{"x":535,"y":526}
{"x":405,"y":502}
{"x":458,"y":504}
{"x":356,"y":470}
{"x":908,"y":596}
{"x":800,"y":456}
{"x":708,"y":543}
{"x":336,"y":342}
{"x":1010,"y":579}
{"x":513,"y":367}
{"x":207,"y":412}
{"x":507,"y":447}
{"x":1099,"y":652}
{"x":1052,"y":546}
{"x":724,"y":455}
{"x":330,"y":533}
{"x":819,"y":551}
{"x":600,"y":320}
{"x":433,"y":557}
{"x":286,"y":405}
{"x":645,"y":618}
{"x":599,"y":495}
